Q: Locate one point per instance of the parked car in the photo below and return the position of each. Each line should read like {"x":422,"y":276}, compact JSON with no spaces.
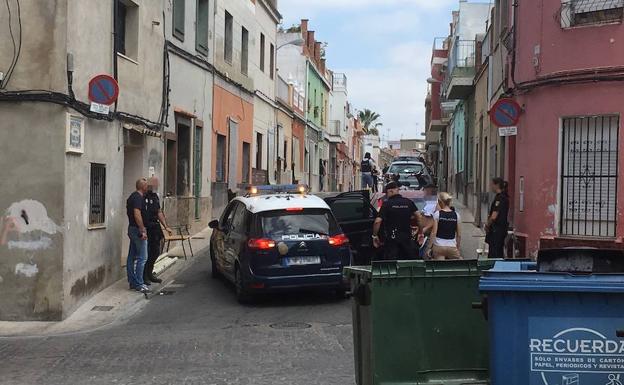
{"x":276,"y":240}
{"x":409,"y":173}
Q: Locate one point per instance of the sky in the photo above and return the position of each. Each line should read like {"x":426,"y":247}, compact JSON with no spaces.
{"x":384,"y":47}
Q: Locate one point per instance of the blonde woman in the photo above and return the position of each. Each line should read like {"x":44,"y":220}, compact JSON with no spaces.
{"x":445,"y":235}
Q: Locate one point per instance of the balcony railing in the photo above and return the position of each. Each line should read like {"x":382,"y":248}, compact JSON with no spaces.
{"x":334,"y":128}
{"x":283,"y":90}
{"x":461,"y":64}
{"x":340,"y":81}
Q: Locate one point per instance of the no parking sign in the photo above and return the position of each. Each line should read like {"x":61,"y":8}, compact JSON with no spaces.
{"x":506,"y":113}
{"x":103,"y":91}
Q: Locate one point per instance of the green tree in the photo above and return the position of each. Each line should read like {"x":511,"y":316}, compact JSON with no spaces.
{"x":369,"y":120}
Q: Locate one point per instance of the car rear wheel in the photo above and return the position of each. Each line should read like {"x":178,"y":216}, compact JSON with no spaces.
{"x":243,"y":295}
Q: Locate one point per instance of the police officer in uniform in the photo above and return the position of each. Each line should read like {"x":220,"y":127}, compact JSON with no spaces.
{"x":396,"y":216}
{"x":154,"y":219}
{"x":497,"y":223}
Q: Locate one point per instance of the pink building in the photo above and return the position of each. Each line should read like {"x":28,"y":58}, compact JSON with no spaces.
{"x":563,"y":166}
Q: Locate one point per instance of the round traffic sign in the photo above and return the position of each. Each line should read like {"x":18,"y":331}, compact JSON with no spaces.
{"x":505,"y":113}
{"x":103,"y":89}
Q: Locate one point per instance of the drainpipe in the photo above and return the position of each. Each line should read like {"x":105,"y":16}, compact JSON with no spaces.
{"x":115,"y":43}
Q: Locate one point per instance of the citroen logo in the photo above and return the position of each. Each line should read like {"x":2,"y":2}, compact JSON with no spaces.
{"x":303,"y":245}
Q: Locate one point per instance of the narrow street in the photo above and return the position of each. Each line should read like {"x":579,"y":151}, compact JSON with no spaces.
{"x":198,"y":334}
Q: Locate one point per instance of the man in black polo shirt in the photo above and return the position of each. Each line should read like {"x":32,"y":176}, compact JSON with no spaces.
{"x":154,"y":218}
{"x":396,"y":215}
{"x":137,"y":253}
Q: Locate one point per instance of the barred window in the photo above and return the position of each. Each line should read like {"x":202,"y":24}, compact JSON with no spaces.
{"x":589,"y":176}
{"x":97,"y":194}
{"x":586,"y":12}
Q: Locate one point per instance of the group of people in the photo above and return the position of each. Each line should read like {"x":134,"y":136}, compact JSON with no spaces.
{"x":441,"y":225}
{"x":145,"y":218}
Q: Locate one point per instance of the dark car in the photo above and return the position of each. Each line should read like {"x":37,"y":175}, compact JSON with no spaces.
{"x":268,"y":243}
{"x":414,"y":175}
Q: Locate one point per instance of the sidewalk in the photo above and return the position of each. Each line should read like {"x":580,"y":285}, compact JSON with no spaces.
{"x":472,"y":237}
{"x":116,"y":303}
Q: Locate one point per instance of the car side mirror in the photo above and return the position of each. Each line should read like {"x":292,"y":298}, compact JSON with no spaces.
{"x":213,"y":224}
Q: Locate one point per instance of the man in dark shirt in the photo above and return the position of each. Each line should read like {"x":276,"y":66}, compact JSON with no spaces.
{"x":154,"y":219}
{"x":137,"y":253}
{"x":396,"y":215}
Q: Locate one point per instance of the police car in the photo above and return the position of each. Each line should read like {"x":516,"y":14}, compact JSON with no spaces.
{"x":278,"y":237}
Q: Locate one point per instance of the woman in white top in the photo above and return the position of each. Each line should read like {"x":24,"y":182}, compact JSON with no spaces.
{"x":445,"y":235}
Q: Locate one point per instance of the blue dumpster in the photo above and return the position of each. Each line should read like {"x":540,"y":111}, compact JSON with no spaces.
{"x":554,"y":328}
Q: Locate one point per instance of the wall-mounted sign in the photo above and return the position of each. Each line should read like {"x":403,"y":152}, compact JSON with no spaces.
{"x":103,"y":91}
{"x":75,"y":130}
{"x":508,"y":131}
{"x":505,"y":113}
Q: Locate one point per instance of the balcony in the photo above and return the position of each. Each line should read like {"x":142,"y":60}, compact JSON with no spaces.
{"x":459,"y":79}
{"x":334,"y":130}
{"x":283,"y":91}
{"x":340,"y":82}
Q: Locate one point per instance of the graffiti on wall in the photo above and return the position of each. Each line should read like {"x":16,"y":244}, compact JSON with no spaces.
{"x":26,"y":226}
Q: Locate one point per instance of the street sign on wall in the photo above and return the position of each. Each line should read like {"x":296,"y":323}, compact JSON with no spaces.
{"x":508,"y":131}
{"x":103,"y":89}
{"x":505,"y":113}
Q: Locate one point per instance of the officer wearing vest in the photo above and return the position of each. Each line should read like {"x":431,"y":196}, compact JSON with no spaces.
{"x":396,"y":216}
{"x":154,"y":219}
{"x":366,"y":167}
{"x":445,"y":235}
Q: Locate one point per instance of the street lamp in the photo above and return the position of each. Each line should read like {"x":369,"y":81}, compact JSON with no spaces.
{"x":297,"y":42}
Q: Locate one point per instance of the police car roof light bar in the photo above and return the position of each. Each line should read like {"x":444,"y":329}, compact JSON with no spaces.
{"x":277,"y":189}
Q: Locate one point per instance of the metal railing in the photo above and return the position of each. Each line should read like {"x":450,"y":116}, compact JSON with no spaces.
{"x":283,"y":90}
{"x":461,"y":61}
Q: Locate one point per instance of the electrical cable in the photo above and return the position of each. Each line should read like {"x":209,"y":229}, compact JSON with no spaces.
{"x":19,"y":45}
{"x":4,"y":81}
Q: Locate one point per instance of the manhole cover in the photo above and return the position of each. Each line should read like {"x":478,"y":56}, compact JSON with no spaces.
{"x":102,"y":308}
{"x":166,"y":292}
{"x":290,"y":325}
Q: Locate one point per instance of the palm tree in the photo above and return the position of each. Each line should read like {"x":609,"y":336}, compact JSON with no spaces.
{"x":369,"y":120}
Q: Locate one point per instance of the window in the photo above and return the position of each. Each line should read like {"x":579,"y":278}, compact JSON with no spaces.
{"x":197,"y":168}
{"x":272,"y":61}
{"x":350,"y":209}
{"x":178,"y":19}
{"x":244,"y":51}
{"x":262,"y":43}
{"x":228,"y":216}
{"x":277,"y":223}
{"x":127,"y":28}
{"x":238,"y":222}
{"x":97,"y":194}
{"x":258,"y":151}
{"x":502,"y":8}
{"x":183,"y":182}
{"x":246,"y":161}
{"x":586,"y":12}
{"x":295,"y":154}
{"x":589,"y":176}
{"x":229,"y":37}
{"x":201,"y":26}
{"x":221,"y":157}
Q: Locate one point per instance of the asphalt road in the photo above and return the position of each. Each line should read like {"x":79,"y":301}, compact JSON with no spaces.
{"x":199,"y":334}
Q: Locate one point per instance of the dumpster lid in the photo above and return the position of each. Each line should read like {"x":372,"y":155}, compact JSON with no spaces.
{"x":525,"y":276}
{"x":419,"y":268}
{"x":581,"y":260}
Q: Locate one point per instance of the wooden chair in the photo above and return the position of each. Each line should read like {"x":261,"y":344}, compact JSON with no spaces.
{"x":180,"y":233}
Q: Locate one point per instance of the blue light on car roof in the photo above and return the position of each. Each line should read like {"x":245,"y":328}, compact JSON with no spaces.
{"x":278,"y":188}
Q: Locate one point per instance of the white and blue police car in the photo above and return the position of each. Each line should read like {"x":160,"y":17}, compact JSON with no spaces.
{"x":278,"y":238}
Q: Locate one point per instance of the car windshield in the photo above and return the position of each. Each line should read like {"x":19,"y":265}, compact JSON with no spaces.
{"x":276,"y":224}
{"x":405,"y":168}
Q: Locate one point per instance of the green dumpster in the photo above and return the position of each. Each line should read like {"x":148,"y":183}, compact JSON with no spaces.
{"x":414,"y":322}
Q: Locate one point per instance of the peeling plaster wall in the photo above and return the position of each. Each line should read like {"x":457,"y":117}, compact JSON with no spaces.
{"x":32,"y":152}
